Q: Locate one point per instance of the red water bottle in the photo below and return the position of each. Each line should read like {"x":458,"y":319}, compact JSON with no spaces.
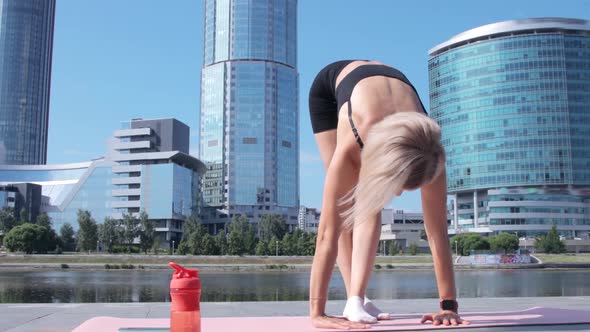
{"x":185,"y":291}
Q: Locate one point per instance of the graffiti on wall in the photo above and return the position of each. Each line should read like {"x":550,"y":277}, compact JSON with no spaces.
{"x":500,"y":259}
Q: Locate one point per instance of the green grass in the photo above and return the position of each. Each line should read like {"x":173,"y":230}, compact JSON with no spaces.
{"x":564,"y":258}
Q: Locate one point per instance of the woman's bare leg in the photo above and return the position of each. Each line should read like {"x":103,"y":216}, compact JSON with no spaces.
{"x":326,"y":142}
{"x":365,"y":237}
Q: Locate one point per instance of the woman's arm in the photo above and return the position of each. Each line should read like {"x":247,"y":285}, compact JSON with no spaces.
{"x":341,"y":177}
{"x":434,"y":201}
{"x":434,"y":205}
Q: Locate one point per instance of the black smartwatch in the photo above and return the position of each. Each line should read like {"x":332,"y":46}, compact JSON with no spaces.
{"x":451,"y":305}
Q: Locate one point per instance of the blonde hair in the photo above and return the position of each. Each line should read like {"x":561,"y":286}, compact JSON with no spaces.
{"x":402,"y":151}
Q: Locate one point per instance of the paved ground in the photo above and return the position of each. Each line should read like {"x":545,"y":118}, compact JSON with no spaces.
{"x":65,"y":317}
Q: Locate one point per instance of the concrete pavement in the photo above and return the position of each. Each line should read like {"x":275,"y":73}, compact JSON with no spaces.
{"x":65,"y":317}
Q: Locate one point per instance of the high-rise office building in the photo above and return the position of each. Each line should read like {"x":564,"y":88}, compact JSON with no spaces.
{"x":249,"y":110}
{"x":513,"y":101}
{"x":26,"y":43}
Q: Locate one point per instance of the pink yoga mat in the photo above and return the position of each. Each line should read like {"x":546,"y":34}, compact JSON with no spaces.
{"x":533,"y":316}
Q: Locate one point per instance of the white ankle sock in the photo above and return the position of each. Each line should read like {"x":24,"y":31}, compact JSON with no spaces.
{"x":354,"y":311}
{"x":372,"y":310}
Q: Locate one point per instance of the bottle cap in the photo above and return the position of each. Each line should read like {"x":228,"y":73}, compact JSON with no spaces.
{"x":184,"y":278}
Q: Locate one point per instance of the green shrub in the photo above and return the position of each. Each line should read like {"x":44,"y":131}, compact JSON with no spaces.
{"x":504,"y":242}
{"x":377,"y":267}
{"x":389,"y":266}
{"x":465,"y":243}
{"x":65,"y":266}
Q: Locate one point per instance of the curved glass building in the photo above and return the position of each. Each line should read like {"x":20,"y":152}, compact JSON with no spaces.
{"x":513,"y":100}
{"x":26,"y":43}
{"x":249,"y":110}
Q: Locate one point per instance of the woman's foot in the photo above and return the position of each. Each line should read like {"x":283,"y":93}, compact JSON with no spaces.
{"x":354,"y":311}
{"x":372,"y":310}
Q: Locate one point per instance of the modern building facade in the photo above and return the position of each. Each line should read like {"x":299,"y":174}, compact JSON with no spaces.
{"x":21,"y":197}
{"x":147,"y":168}
{"x":249,"y":123}
{"x":309,"y":219}
{"x":26,"y":44}
{"x":513,"y":101}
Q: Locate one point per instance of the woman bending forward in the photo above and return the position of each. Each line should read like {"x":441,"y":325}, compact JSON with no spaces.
{"x":376,"y":141}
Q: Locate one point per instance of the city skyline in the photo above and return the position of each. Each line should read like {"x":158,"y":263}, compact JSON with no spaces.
{"x":105,"y":73}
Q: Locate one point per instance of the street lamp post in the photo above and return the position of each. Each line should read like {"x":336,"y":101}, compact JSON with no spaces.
{"x":277,"y":248}
{"x":456,"y":248}
{"x":172,"y":247}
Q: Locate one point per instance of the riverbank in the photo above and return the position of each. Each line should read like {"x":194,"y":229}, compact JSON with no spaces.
{"x":255,"y":263}
{"x":203,"y":263}
{"x":65,"y":317}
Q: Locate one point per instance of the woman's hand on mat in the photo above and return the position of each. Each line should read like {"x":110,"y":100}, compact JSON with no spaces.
{"x":445,"y":317}
{"x":330,"y":322}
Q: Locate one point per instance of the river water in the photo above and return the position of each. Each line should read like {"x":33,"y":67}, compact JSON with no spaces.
{"x":70,"y":286}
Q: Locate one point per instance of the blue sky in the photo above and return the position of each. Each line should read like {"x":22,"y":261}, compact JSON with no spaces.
{"x":114,"y":60}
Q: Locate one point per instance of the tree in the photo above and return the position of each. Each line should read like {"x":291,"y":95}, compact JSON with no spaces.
{"x":550,"y":243}
{"x":87,"y":231}
{"x":221,"y":242}
{"x":288,"y":245}
{"x":241,"y":239}
{"x":196,"y":239}
{"x":66,"y":233}
{"x":475,"y":243}
{"x":184,"y":247}
{"x":465,"y":243}
{"x":504,"y":242}
{"x":262,"y":248}
{"x":305,"y":247}
{"x":44,"y":220}
{"x":7,"y":219}
{"x":272,"y":225}
{"x":108,"y":234}
{"x":129,"y":230}
{"x":147,"y":232}
{"x":24,"y":216}
{"x":157,"y":245}
{"x":413,"y":249}
{"x":29,"y":238}
{"x":392,"y":247}
{"x":312,"y":242}
{"x":208,"y":246}
{"x":190,"y":225}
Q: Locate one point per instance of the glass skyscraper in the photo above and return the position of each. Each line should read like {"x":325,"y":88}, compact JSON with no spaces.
{"x":249,"y":110}
{"x":26,"y":43}
{"x":513,"y":101}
